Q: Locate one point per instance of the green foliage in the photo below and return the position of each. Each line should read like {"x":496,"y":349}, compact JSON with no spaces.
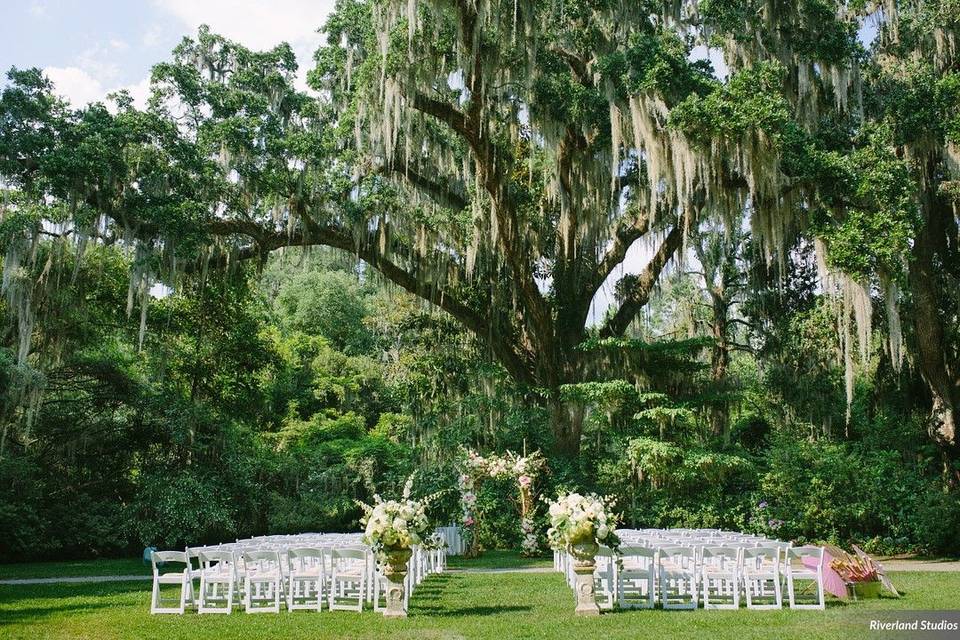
{"x":328,"y":305}
{"x":180,"y":508}
{"x":750,"y":101}
{"x":871,"y":215}
{"x":839,"y":492}
{"x":271,"y":402}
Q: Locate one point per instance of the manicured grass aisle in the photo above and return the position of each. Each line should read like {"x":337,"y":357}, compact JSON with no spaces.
{"x":498,"y":560}
{"x":468,"y":605}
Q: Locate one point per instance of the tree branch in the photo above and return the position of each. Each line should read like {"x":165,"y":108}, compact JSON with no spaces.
{"x":639,"y":293}
{"x":514,"y":358}
{"x":440,"y":193}
{"x":623,"y":239}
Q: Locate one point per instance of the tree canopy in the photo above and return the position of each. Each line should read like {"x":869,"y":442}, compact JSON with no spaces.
{"x":500,"y":159}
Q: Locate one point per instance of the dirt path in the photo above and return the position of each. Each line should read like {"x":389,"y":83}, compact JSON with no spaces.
{"x":914,"y":564}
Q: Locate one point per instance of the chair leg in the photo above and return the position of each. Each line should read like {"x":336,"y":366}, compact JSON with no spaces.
{"x":155,"y":596}
{"x":202,"y":597}
{"x":183,"y":593}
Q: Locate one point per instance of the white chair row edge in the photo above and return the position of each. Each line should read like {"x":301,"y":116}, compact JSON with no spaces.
{"x":680,"y":568}
{"x":302,"y":572}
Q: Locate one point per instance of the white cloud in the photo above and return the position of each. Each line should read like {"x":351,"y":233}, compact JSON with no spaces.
{"x":80,"y":88}
{"x":75,"y":84}
{"x":254,"y":23}
{"x":151,"y":37}
{"x":140,"y":92}
{"x":260,"y":25}
{"x":38,"y":9}
{"x":100,"y":62}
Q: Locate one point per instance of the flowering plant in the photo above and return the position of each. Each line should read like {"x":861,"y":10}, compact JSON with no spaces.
{"x":576,"y":518}
{"x":530,"y":545}
{"x":396,"y":524}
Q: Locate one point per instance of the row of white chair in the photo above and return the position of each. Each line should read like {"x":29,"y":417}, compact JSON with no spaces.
{"x":679,"y":576}
{"x":259,"y":576}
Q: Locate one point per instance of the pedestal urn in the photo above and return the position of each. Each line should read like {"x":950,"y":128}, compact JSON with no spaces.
{"x":395,"y":572}
{"x":584,"y":562}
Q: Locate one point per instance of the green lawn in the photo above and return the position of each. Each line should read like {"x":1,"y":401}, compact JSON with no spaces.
{"x":113,"y":567}
{"x":453,"y":605}
{"x":498,"y":559}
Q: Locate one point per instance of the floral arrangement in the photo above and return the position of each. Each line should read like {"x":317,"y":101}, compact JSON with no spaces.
{"x":468,"y":506}
{"x":530,"y":544}
{"x":396,"y":524}
{"x":576,"y":518}
{"x":855,"y":569}
{"x":474,"y":468}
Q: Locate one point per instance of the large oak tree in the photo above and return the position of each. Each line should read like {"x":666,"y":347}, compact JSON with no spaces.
{"x":500,"y":159}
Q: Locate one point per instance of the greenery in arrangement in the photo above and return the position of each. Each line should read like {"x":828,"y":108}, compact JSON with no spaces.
{"x":576,"y":519}
{"x":473,"y":469}
{"x":724,"y":294}
{"x":396,"y":524}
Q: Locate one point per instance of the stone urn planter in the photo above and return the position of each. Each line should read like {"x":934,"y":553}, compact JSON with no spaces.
{"x":395,"y":571}
{"x":584,"y":554}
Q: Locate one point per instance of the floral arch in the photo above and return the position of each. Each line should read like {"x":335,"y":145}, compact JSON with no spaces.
{"x":474,"y":469}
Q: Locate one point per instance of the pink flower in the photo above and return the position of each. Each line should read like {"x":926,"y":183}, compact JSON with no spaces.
{"x":468,"y":521}
{"x":525,"y":481}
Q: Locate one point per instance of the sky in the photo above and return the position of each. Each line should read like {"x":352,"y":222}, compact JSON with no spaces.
{"x":89,"y":48}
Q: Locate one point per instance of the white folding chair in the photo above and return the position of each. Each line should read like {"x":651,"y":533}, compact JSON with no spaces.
{"x":605,"y":577}
{"x":720,"y":577}
{"x":218,"y":580}
{"x":761,"y":565}
{"x":305,"y":578}
{"x":195,"y":568}
{"x":348,"y":578}
{"x":806,"y":564}
{"x":180,"y":575}
{"x":262,"y":582}
{"x":635,"y":577}
{"x":677,"y":575}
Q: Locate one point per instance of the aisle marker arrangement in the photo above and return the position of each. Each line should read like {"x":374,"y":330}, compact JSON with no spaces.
{"x":579,"y":525}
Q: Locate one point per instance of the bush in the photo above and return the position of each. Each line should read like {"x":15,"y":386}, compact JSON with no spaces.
{"x":174,"y":509}
{"x":841,"y":493}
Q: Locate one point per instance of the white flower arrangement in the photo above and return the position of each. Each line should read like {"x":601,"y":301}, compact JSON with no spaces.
{"x":576,"y":518}
{"x":530,"y":545}
{"x":396,"y":524}
{"x":474,"y":468}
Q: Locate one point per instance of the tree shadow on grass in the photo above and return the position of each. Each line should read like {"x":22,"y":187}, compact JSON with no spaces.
{"x":33,"y":603}
{"x":462,"y":612}
{"x":35,"y":614}
{"x":13,"y":593}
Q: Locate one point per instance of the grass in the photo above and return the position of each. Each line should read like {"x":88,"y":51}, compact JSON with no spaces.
{"x":452,"y":605}
{"x":498,"y":560}
{"x":112,"y":567}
